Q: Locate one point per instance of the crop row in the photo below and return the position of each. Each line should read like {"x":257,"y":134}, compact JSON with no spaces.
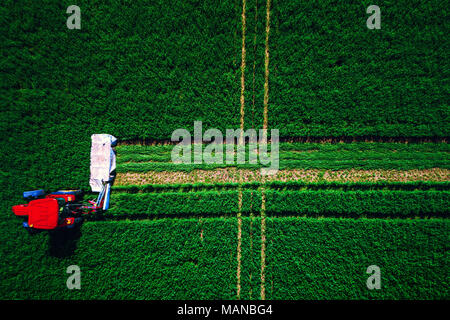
{"x":380,"y":147}
{"x":300,"y":202}
{"x":331,"y":163}
{"x":283,"y":185}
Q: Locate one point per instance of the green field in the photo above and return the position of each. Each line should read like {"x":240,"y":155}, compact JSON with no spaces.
{"x":307,"y":258}
{"x":369,"y":183}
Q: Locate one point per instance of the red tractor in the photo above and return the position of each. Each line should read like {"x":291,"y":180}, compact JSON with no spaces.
{"x":57,"y":210}
{"x":65,"y":208}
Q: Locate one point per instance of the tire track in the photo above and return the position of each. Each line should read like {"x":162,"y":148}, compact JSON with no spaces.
{"x":266,"y":67}
{"x":242,"y":100}
{"x":263,"y":243}
{"x":254,"y":64}
{"x":241,"y":142}
{"x":265,"y":124}
{"x":239,"y":244}
{"x":251,"y":252}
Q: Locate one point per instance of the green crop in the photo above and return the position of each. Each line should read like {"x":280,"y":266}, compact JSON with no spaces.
{"x":398,"y":156}
{"x":357,"y":203}
{"x":203,"y":203}
{"x":306,"y":258}
{"x":301,"y":202}
{"x":283,"y":185}
{"x":328,"y":258}
{"x":165,"y":259}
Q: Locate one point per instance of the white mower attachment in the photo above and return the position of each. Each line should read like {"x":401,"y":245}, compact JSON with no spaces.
{"x":103,"y":165}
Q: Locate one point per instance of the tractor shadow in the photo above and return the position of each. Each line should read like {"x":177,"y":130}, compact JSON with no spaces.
{"x":63,"y":243}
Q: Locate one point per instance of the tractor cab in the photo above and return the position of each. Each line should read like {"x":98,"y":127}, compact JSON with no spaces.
{"x":47,"y":212}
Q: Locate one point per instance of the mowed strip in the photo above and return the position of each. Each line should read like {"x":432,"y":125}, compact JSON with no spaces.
{"x":360,"y":156}
{"x":225,"y":175}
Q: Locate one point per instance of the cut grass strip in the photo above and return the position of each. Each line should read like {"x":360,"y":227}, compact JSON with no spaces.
{"x":302,"y":156}
{"x":386,"y":147}
{"x":337,"y":161}
{"x":308,"y":175}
